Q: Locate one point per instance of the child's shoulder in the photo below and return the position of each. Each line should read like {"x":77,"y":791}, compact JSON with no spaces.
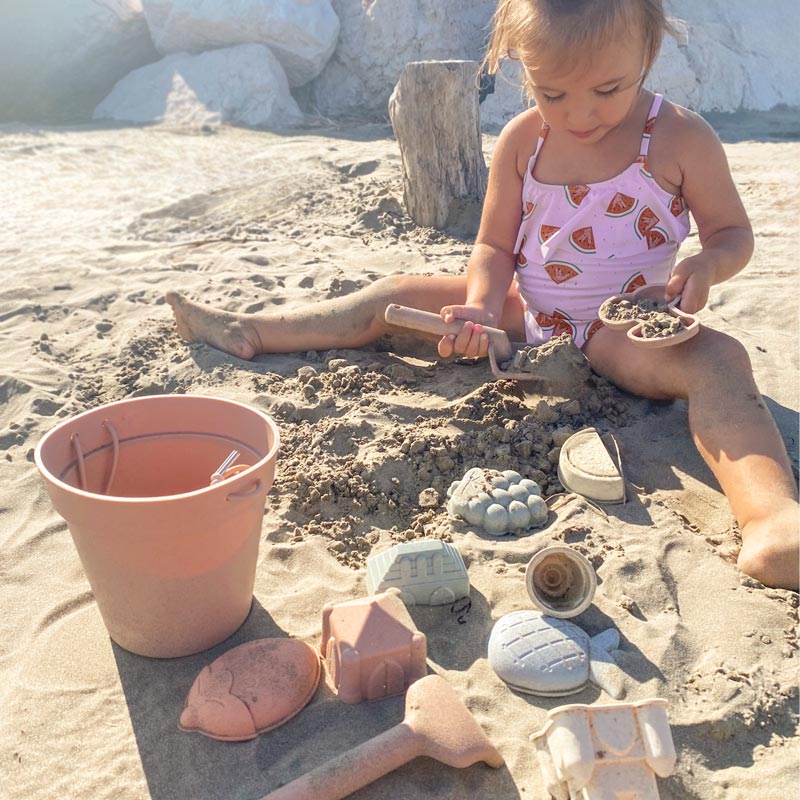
{"x":520,"y":134}
{"x":682,"y":125}
{"x":524,"y":127}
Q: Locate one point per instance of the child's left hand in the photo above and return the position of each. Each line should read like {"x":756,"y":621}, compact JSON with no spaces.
{"x":692,"y":279}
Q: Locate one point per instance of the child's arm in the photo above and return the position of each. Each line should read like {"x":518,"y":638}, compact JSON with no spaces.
{"x":725,"y":233}
{"x":490,"y":268}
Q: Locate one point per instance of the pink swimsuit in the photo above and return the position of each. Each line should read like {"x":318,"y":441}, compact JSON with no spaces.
{"x":578,"y":245}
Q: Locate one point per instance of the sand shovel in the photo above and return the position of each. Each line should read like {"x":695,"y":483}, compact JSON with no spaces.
{"x":501,"y":349}
{"x":437,"y":724}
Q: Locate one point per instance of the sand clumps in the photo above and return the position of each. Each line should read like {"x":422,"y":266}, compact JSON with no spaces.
{"x":557,"y":361}
{"x":346,"y":479}
{"x":654,"y":315}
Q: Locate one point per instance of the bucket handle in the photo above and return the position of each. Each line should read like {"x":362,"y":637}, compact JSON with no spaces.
{"x":242,"y":495}
{"x":76,"y":443}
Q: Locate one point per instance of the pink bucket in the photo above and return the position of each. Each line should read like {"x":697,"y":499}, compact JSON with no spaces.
{"x":171,"y":557}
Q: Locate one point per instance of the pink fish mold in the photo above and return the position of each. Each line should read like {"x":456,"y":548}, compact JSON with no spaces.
{"x":252,"y":689}
{"x":605,"y":751}
{"x":371,"y":647}
{"x":647,"y":318}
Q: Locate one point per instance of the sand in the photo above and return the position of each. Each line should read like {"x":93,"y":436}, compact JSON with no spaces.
{"x":97,"y":222}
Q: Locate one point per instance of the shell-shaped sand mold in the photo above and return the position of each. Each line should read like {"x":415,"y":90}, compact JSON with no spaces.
{"x":499,"y":502}
{"x":251,"y":689}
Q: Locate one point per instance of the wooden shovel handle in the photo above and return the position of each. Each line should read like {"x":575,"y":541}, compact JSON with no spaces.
{"x":427,"y":322}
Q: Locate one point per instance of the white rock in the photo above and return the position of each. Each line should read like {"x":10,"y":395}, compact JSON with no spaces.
{"x":59,"y":59}
{"x":730,"y":54}
{"x":743,"y":54}
{"x":244,"y":84}
{"x":672,"y":76}
{"x":507,"y":100}
{"x":301,"y":33}
{"x":378,"y":38}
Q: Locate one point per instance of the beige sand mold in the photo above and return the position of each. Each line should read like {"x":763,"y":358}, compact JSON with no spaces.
{"x":615,"y":750}
{"x":436,"y":724}
{"x":501,"y":349}
{"x":560,"y":581}
{"x":371,"y":647}
{"x":634,"y":327}
{"x":586,"y":468}
{"x":252,"y":689}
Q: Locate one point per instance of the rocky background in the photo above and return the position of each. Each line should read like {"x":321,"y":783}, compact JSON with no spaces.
{"x":283,"y":63}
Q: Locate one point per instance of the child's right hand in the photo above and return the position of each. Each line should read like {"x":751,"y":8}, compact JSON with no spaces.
{"x":471,"y":341}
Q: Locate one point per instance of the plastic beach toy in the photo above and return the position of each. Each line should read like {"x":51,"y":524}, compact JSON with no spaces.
{"x":498,"y":502}
{"x":586,"y":468}
{"x":436,"y":724}
{"x":251,"y":689}
{"x":501,"y":350}
{"x":170,"y":556}
{"x":428,"y":572}
{"x":371,"y":647}
{"x":560,"y":581}
{"x":637,"y":325}
{"x":609,"y":751}
{"x":552,"y":657}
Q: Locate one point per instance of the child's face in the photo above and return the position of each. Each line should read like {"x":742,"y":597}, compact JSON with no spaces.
{"x":594,"y":97}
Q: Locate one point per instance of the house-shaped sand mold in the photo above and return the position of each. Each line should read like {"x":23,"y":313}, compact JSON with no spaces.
{"x":428,"y":572}
{"x":371,"y":647}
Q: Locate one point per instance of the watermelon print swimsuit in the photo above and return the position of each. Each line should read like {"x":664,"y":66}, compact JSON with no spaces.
{"x":578,"y":245}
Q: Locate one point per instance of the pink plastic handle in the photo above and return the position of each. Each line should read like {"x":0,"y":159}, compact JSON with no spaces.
{"x":243,"y":495}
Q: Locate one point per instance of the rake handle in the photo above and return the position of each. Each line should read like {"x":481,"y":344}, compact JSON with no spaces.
{"x":427,"y":322}
{"x":351,"y":771}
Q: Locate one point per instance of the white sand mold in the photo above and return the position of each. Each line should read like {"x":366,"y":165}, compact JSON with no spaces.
{"x":586,"y":468}
{"x":602,"y":751}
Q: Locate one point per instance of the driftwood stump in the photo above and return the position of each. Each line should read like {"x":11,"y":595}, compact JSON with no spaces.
{"x":435,"y":115}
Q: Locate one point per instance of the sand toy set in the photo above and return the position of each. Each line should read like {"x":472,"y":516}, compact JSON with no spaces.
{"x":164,"y":498}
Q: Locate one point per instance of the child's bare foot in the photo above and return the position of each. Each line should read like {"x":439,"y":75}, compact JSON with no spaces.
{"x":771,"y":547}
{"x":231,"y":333}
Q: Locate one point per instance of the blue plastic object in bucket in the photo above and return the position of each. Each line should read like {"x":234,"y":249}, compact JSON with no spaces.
{"x":170,"y":556}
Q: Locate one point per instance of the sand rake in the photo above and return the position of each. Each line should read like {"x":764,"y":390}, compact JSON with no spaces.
{"x":436,"y":724}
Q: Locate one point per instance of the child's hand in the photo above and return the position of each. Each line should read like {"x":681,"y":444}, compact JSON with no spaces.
{"x":692,"y":279}
{"x":471,"y":341}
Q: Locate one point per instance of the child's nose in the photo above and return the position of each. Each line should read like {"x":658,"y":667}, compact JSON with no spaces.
{"x":581,"y":117}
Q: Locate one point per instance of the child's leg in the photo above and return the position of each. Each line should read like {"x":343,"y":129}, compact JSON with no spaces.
{"x":733,"y":431}
{"x":350,"y":321}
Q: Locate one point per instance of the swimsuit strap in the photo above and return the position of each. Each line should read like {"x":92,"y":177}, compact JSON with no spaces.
{"x":542,"y":136}
{"x":648,"y":127}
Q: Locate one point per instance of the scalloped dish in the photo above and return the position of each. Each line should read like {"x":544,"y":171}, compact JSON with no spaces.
{"x":648,"y":320}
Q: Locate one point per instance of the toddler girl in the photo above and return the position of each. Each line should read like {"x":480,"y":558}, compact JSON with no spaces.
{"x":588,"y":196}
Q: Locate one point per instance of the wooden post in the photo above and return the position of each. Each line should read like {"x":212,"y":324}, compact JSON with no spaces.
{"x":435,"y":115}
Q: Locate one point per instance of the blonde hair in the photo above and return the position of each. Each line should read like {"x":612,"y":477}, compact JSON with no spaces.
{"x":538,"y":31}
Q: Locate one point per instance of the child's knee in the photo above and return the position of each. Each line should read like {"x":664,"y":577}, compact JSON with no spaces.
{"x":770,"y":560}
{"x":719,"y":352}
